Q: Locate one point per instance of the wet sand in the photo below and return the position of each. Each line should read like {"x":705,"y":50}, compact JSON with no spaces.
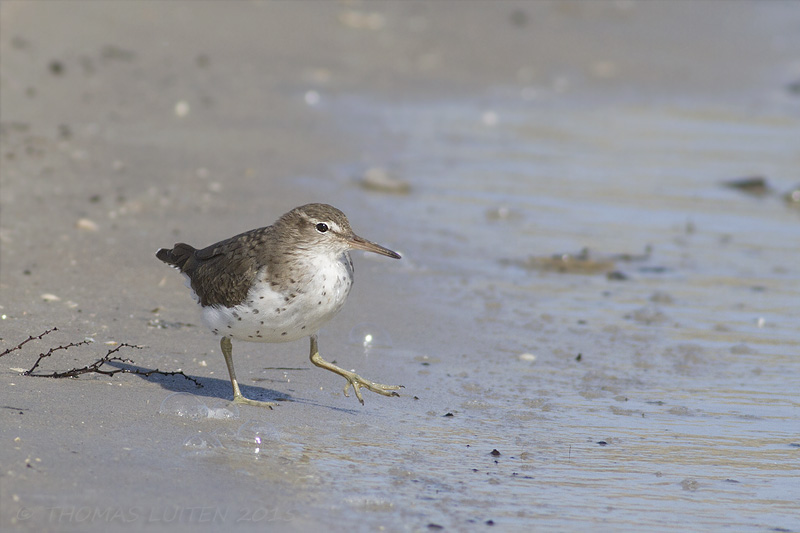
{"x":653,"y":388}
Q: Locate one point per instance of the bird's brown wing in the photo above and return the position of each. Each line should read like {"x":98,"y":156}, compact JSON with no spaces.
{"x":223,"y":273}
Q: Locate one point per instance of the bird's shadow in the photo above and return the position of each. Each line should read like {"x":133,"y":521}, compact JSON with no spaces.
{"x":215,"y":388}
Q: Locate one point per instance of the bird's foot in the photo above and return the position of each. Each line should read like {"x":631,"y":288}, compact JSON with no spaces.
{"x":356,"y":381}
{"x":241,"y":400}
{"x":353,"y":379}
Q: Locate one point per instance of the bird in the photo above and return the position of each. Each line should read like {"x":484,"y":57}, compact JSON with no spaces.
{"x":279,"y":283}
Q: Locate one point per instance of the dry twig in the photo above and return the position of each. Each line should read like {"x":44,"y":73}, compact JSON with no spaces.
{"x":29,"y":339}
{"x":93,"y":368}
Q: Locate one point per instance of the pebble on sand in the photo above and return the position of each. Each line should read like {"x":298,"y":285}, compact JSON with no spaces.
{"x":86,"y":224}
{"x":182,"y":108}
{"x":381,"y":180}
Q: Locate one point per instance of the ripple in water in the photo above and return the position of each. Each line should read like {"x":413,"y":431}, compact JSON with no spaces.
{"x":223,"y":410}
{"x":189,"y":406}
{"x":201,"y":444}
{"x":256,"y":434}
{"x":185,"y":405}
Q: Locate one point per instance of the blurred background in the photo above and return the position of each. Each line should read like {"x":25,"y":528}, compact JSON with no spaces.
{"x":597,"y":207}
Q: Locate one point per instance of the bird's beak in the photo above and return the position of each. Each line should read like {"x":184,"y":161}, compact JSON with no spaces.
{"x":368,"y":246}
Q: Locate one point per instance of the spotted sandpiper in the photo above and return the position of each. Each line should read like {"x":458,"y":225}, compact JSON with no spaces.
{"x":279,"y":283}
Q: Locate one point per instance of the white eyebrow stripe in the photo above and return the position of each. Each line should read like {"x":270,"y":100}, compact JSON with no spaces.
{"x":330,"y":223}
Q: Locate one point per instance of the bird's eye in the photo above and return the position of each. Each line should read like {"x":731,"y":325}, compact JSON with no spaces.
{"x":322,"y":227}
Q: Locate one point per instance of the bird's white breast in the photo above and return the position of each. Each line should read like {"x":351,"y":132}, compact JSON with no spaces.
{"x":270,"y":315}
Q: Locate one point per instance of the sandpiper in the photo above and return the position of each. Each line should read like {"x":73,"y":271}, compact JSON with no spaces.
{"x":279,"y":283}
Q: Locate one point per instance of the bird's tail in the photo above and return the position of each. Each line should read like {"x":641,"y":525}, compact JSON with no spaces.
{"x":177,"y":256}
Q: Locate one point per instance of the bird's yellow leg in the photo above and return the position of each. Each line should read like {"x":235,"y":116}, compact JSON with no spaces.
{"x":352,"y":378}
{"x":227,"y":352}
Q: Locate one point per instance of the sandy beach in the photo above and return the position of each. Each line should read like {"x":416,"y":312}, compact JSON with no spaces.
{"x":594,"y":328}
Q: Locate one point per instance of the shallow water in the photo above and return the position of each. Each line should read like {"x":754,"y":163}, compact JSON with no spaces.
{"x":664,"y":399}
